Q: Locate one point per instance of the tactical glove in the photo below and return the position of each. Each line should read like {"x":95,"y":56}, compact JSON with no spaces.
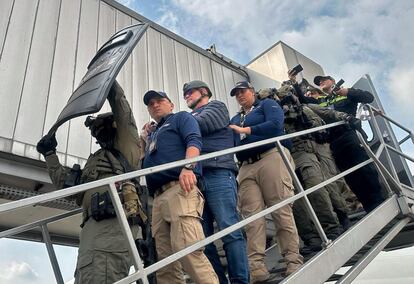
{"x":47,"y":145}
{"x":354,"y":123}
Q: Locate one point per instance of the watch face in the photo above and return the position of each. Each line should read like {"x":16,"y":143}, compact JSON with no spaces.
{"x":189,"y":167}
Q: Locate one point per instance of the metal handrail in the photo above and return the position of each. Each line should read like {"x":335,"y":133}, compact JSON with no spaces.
{"x":143,"y":272}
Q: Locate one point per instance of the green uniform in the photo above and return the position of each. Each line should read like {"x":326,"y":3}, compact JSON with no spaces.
{"x":352,"y":203}
{"x":311,"y":172}
{"x":103,"y":254}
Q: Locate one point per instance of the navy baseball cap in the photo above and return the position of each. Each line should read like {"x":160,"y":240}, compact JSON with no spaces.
{"x":153,"y":94}
{"x":241,"y":85}
{"x":317,"y":80}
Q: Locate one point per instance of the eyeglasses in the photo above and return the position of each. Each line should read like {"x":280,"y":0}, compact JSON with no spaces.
{"x":189,"y":93}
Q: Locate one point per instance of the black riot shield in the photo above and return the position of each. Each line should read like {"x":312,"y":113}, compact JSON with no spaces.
{"x":94,"y":87}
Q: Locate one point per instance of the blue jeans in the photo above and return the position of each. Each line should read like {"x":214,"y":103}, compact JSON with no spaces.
{"x":219,"y":187}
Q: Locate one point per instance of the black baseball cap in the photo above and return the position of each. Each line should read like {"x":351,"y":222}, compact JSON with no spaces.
{"x":317,"y":80}
{"x":153,"y":94}
{"x":241,"y":85}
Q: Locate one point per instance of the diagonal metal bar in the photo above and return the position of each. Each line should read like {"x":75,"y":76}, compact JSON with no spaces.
{"x":384,"y":173}
{"x":36,"y":224}
{"x":126,"y":231}
{"x":220,"y":234}
{"x":400,"y":153}
{"x":52,"y":255}
{"x":379,"y":112}
{"x":404,"y":139}
{"x":103,"y":182}
{"x":357,"y":268}
{"x":381,"y":138}
{"x":299,"y":187}
{"x":328,"y":261}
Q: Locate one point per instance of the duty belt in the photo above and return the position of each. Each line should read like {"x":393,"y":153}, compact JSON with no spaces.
{"x":131,"y":220}
{"x":258,"y":157}
{"x":165,"y":187}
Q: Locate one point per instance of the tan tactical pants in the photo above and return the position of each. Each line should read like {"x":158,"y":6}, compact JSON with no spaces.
{"x":175,"y":226}
{"x":265,"y":183}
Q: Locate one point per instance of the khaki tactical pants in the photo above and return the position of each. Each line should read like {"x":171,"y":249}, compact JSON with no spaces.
{"x":265,"y":183}
{"x":176,"y":225}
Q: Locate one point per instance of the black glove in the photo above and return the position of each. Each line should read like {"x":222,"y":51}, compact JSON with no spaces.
{"x":353,"y":122}
{"x":47,"y":145}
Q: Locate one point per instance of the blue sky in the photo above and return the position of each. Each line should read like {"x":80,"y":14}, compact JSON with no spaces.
{"x":348,"y":38}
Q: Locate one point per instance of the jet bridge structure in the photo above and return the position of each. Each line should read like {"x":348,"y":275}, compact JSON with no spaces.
{"x":45,"y":47}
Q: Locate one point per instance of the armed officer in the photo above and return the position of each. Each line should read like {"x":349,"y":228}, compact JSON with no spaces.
{"x":345,"y":144}
{"x":178,"y":203}
{"x":264,"y":180}
{"x":103,"y":254}
{"x":218,"y":183}
{"x":316,"y":96}
{"x":308,"y":167}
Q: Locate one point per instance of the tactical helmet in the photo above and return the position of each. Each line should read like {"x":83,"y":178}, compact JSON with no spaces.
{"x":270,"y":93}
{"x":102,"y":127}
{"x":284,"y":91}
{"x":195,"y":85}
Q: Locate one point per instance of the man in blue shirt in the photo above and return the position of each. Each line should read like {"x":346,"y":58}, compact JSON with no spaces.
{"x":218,"y":183}
{"x":264,"y":180}
{"x":178,"y":203}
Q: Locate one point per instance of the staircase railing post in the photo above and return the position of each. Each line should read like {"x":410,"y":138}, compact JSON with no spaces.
{"x":299,"y":187}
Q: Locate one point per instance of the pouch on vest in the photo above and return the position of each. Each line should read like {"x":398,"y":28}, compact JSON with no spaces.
{"x":101,"y":206}
{"x":132,"y":204}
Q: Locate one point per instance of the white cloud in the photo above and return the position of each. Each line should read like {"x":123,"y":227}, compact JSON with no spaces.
{"x":15,"y":271}
{"x":348,"y":38}
{"x":401,"y":85}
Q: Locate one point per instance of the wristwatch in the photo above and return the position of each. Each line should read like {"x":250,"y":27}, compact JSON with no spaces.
{"x":189,"y":167}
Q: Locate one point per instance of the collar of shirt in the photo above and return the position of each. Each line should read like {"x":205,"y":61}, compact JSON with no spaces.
{"x":164,"y":119}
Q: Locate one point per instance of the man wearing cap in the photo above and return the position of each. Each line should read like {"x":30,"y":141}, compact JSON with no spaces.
{"x":178,"y":203}
{"x":345,"y":144}
{"x":218,"y":183}
{"x":264,"y":180}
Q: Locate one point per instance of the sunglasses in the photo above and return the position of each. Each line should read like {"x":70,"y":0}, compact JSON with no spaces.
{"x":189,"y":93}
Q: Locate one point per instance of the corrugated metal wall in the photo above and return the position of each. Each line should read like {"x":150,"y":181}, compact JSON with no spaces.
{"x":45,"y":48}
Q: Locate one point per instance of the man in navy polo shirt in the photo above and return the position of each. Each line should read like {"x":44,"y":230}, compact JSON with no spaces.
{"x":264,"y":180}
{"x":178,"y":203}
{"x":218,"y":183}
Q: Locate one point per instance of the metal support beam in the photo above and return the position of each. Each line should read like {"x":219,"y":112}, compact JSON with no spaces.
{"x":381,"y":138}
{"x":358,"y":267}
{"x":299,"y":187}
{"x":328,"y":261}
{"x":126,"y":231}
{"x":52,"y":255}
{"x":36,"y":224}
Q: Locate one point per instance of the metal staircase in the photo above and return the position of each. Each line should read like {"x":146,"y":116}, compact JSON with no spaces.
{"x":356,"y":247}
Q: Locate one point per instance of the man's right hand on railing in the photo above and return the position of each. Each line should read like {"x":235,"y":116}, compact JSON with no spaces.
{"x":355,"y":124}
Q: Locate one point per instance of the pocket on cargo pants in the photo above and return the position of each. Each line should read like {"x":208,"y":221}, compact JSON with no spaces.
{"x":102,"y":267}
{"x":187,"y":228}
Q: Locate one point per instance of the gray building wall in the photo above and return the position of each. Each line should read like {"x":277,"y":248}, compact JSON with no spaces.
{"x":279,"y":58}
{"x":45,"y":46}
